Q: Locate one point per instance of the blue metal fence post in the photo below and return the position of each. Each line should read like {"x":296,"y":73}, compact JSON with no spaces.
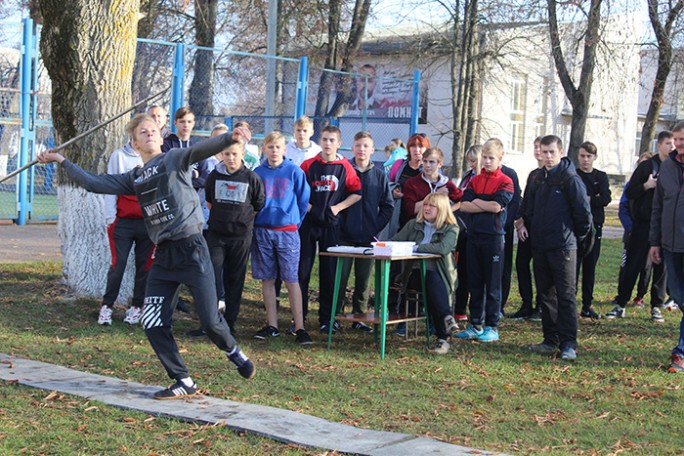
{"x":23,"y":204}
{"x":178,"y":89}
{"x":415,"y":103}
{"x":302,"y":87}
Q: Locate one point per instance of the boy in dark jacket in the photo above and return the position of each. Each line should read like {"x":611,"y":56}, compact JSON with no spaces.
{"x":334,"y":188}
{"x":234,"y":196}
{"x":362,"y":222}
{"x":640,"y":196}
{"x":560,"y":220}
{"x":485,"y":199}
{"x":598,"y":191}
{"x":667,"y":233}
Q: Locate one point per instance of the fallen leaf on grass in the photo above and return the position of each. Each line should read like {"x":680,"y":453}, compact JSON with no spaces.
{"x":638,"y":395}
{"x":52,"y":395}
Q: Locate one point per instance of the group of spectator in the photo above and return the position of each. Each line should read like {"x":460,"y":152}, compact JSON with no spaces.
{"x":284,"y":204}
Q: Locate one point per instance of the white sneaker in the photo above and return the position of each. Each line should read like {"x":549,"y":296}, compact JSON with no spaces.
{"x":671,"y":305}
{"x":105,"y":317}
{"x":221,"y":305}
{"x":441,"y":347}
{"x":133,"y":315}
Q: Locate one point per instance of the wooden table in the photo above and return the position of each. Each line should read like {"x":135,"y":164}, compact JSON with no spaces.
{"x":379,"y":318}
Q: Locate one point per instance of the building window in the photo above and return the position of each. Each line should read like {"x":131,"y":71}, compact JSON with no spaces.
{"x":541,"y":107}
{"x":518,"y":106}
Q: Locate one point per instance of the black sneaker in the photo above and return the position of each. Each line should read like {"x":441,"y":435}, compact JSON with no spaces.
{"x":522,"y":314}
{"x":303,"y":337}
{"x":617,"y":312}
{"x":360,"y":326}
{"x":325,"y":327}
{"x":291,"y":330}
{"x":176,"y":391}
{"x":543,"y":348}
{"x":535,"y":315}
{"x":199,"y":332}
{"x":244,"y":366}
{"x":266,"y":332}
{"x":588,"y":312}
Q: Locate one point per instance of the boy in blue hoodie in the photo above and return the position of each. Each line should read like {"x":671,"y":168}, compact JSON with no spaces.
{"x":276,"y":245}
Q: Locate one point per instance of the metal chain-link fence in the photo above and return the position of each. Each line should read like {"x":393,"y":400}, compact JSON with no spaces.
{"x":220,"y":86}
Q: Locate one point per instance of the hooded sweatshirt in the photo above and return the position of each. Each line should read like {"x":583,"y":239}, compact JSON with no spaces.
{"x":287,"y":196}
{"x":418,"y":187}
{"x":121,"y":161}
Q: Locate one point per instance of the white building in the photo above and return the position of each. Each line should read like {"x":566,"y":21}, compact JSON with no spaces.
{"x":521,"y":96}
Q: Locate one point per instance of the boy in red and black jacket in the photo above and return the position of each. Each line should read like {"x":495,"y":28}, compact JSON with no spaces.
{"x":335,"y":186}
{"x":486,"y":198}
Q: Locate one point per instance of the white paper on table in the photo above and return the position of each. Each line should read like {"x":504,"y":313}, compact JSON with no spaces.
{"x":350,"y":249}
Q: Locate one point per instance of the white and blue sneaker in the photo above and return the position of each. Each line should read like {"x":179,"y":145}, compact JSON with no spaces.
{"x":489,"y":334}
{"x":471,"y":333}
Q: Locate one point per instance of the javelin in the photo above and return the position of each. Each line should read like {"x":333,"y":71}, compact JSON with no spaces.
{"x":86,"y":133}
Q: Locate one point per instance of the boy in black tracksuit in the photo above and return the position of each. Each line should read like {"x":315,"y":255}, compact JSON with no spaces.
{"x":640,"y":196}
{"x":598,"y":191}
{"x":234,"y":195}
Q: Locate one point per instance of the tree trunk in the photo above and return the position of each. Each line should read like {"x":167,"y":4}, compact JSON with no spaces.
{"x":201,"y":92}
{"x":663,"y":35}
{"x":358,"y":27}
{"x":327,"y":81}
{"x":579,"y":95}
{"x":465,"y":91}
{"x":351,"y":47}
{"x":88,"y":50}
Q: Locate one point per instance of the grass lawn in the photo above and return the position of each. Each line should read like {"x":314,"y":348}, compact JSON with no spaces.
{"x":615,"y":399}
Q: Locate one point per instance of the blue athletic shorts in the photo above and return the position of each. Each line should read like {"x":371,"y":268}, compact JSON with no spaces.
{"x":274,"y":253}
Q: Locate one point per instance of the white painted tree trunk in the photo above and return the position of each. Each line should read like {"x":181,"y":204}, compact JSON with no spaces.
{"x":88,"y":47}
{"x":85,"y":245}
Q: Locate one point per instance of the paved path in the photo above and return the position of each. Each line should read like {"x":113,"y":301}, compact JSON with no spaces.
{"x":33,"y":242}
{"x":281,"y":425}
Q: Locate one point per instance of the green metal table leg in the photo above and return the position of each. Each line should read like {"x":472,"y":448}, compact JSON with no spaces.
{"x":423,"y":270}
{"x":378,"y":299}
{"x":384,"y":291}
{"x":336,"y":293}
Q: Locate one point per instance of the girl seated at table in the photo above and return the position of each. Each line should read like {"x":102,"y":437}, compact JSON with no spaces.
{"x":434,"y":230}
